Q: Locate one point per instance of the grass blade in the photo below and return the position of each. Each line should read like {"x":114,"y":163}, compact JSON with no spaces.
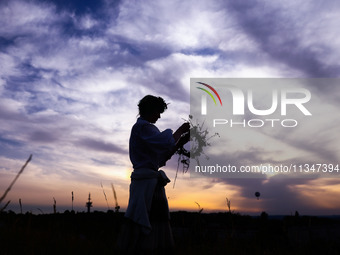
{"x":15,"y":179}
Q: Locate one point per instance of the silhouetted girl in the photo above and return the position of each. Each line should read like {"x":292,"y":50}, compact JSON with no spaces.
{"x":147,"y":230}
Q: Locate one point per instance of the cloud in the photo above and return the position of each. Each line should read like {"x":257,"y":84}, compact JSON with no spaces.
{"x":42,"y":136}
{"x":278,"y":195}
{"x":287,"y":36}
{"x":100,"y":146}
{"x":72,"y":73}
{"x":175,"y":25}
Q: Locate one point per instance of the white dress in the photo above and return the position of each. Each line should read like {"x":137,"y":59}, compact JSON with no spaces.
{"x":148,"y":228}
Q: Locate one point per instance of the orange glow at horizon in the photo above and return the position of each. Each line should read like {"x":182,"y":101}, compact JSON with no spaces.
{"x":318,"y":194}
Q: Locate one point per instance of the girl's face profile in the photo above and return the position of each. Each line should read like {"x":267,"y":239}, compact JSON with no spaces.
{"x":153,"y":117}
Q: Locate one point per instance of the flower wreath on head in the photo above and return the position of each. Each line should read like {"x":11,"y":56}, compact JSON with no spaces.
{"x":198,"y":140}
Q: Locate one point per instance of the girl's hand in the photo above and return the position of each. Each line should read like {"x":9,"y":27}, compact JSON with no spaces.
{"x":184,"y":128}
{"x":183,"y":140}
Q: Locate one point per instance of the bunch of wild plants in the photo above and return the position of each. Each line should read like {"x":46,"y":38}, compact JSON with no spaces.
{"x":199,"y":139}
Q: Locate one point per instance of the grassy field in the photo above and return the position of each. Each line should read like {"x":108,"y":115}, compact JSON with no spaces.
{"x":194,"y":233}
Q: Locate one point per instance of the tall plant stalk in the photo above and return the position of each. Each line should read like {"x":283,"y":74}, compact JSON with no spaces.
{"x":15,"y":179}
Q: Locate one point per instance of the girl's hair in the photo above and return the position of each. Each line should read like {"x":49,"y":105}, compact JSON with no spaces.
{"x":151,"y":104}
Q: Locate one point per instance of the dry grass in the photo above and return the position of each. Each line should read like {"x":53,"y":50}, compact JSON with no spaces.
{"x":117,"y":207}
{"x":107,"y":203}
{"x":12,"y":183}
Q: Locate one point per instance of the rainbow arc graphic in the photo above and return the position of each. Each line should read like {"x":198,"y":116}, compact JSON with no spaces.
{"x":209,"y":93}
{"x":204,"y":99}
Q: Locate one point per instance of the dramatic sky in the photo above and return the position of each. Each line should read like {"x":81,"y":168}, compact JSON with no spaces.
{"x":72,"y":73}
